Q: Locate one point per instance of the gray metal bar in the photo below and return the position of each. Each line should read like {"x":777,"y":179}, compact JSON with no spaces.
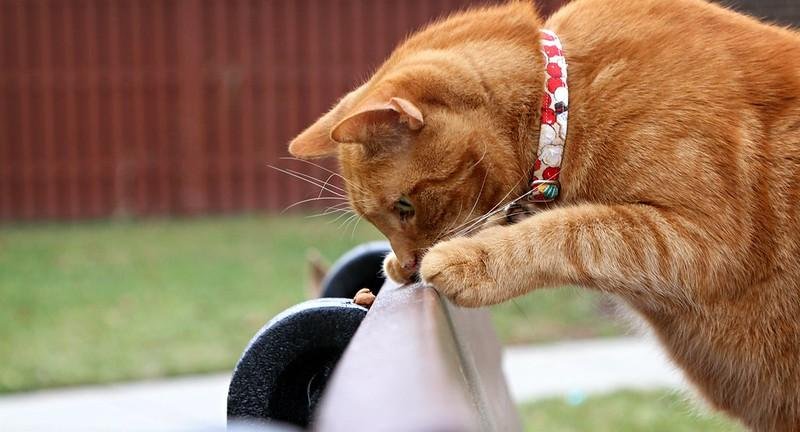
{"x":417,"y":363}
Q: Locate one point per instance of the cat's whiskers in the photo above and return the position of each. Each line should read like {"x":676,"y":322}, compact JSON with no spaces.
{"x":340,"y":216}
{"x":480,"y":192}
{"x":468,"y":222}
{"x":471,"y":211}
{"x":477,"y":200}
{"x":334,"y":173}
{"x":485,"y":150}
{"x":330,"y":213}
{"x":479,"y":223}
{"x":325,"y":185}
{"x":333,"y":189}
{"x":521,"y":212}
{"x":337,"y":208}
{"x":355,"y":225}
{"x":347,"y":221}
{"x":338,"y":194}
{"x":313,"y":181}
{"x":345,"y":205}
{"x":311,"y":200}
{"x":442,"y":232}
{"x":467,"y":226}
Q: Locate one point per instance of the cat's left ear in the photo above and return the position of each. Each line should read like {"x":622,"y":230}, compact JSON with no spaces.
{"x":316,"y":141}
{"x":377,"y":122}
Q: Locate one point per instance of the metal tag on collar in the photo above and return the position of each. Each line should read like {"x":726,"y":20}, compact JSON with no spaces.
{"x":544,"y":191}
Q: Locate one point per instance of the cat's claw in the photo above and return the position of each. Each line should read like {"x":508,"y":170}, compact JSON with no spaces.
{"x":458,"y":270}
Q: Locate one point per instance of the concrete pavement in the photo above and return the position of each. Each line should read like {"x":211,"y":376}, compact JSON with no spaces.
{"x":197,"y":404}
{"x":587,"y":367}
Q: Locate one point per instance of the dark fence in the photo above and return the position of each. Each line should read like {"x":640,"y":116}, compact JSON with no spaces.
{"x":169,"y":107}
{"x":134,"y":107}
{"x":785,"y":12}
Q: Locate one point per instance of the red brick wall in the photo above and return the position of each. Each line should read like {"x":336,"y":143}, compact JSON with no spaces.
{"x":157,"y":107}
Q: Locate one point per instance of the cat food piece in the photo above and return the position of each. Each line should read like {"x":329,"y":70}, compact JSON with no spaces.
{"x":364,"y":297}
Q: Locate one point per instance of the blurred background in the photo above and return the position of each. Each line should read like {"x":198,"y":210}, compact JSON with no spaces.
{"x":143,"y":233}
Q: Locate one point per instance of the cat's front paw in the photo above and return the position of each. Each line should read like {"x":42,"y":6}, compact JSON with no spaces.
{"x":458,"y":269}
{"x":395,"y":271}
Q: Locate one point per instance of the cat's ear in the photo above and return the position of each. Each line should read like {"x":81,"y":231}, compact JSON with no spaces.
{"x":376,"y":122}
{"x":316,"y":141}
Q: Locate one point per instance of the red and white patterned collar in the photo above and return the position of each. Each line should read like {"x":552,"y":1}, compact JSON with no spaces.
{"x":545,"y":186}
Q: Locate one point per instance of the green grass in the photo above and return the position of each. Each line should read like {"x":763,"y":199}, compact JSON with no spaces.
{"x":626,"y":411}
{"x":109,"y":301}
{"x":554,"y":314}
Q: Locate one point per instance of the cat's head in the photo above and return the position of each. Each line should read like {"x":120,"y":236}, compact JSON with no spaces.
{"x":439,"y":135}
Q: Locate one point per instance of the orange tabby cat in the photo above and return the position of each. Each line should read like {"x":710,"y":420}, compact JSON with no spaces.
{"x":679,"y":184}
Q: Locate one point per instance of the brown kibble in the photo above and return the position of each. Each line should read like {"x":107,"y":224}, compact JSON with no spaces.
{"x":364,"y":297}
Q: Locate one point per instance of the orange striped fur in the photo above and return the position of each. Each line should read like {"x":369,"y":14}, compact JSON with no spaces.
{"x":680,"y":182}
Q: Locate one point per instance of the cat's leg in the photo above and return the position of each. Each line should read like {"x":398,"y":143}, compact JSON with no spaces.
{"x":642,"y":253}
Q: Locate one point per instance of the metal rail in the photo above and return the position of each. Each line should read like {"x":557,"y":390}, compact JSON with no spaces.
{"x":417,"y":363}
{"x":413,"y":362}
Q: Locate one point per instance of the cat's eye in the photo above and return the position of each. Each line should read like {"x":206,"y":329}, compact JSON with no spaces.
{"x":404,"y":208}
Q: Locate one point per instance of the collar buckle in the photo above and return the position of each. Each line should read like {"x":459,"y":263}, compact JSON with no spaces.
{"x":544,"y":191}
